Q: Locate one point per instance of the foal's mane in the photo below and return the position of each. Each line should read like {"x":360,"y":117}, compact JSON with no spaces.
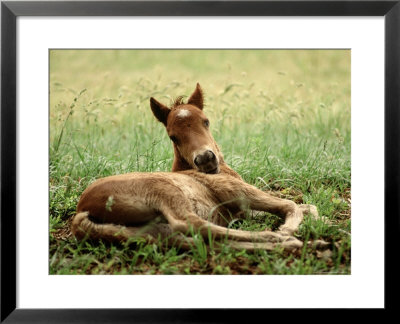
{"x":177,"y":102}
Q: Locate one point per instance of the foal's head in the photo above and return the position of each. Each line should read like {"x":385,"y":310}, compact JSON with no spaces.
{"x":188,"y":129}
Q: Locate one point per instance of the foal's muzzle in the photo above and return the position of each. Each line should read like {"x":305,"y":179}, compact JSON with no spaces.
{"x":207,"y":162}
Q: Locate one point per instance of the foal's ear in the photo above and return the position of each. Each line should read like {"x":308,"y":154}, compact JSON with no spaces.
{"x":196,"y":98}
{"x":159,"y":110}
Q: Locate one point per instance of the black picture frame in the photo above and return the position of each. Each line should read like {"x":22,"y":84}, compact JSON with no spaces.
{"x":11,"y":10}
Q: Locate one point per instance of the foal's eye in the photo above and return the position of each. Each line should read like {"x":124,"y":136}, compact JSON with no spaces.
{"x":174,"y":139}
{"x":206,"y":123}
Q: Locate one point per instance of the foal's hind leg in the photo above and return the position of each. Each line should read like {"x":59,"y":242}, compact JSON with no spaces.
{"x":178,"y":239}
{"x":181,"y":220}
{"x":179,"y":213}
{"x":83,"y":227}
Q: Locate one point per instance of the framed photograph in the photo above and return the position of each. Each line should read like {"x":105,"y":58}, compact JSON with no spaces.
{"x":300,"y":119}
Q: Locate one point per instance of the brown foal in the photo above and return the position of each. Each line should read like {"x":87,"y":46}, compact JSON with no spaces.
{"x":202,"y":194}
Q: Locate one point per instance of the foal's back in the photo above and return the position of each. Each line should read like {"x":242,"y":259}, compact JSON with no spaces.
{"x":137,"y":198}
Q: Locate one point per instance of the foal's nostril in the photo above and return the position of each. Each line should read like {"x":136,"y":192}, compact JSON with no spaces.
{"x":205,"y":158}
{"x":210,"y":155}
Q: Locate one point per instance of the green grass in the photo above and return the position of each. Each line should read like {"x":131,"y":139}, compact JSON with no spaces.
{"x":282,"y":119}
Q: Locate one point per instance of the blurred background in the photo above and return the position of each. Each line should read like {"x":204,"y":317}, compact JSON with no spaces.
{"x":276,"y":98}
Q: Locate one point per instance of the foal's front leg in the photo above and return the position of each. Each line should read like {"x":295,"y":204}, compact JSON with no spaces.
{"x":260,"y":200}
{"x":292,"y":212}
{"x":255,"y":199}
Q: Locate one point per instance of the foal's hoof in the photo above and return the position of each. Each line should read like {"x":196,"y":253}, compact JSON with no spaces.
{"x":292,"y":243}
{"x":310,"y":209}
{"x":318,"y":244}
{"x":285,"y":231}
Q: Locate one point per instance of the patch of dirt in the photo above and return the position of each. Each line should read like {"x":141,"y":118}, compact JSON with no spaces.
{"x":63,"y":233}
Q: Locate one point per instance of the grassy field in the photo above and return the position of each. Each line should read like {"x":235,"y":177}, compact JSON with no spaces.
{"x":282,"y":119}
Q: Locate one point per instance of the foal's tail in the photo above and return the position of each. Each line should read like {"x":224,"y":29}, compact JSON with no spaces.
{"x":83,"y":227}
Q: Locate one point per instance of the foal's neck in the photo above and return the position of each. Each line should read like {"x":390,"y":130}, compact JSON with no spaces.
{"x":179,"y":163}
